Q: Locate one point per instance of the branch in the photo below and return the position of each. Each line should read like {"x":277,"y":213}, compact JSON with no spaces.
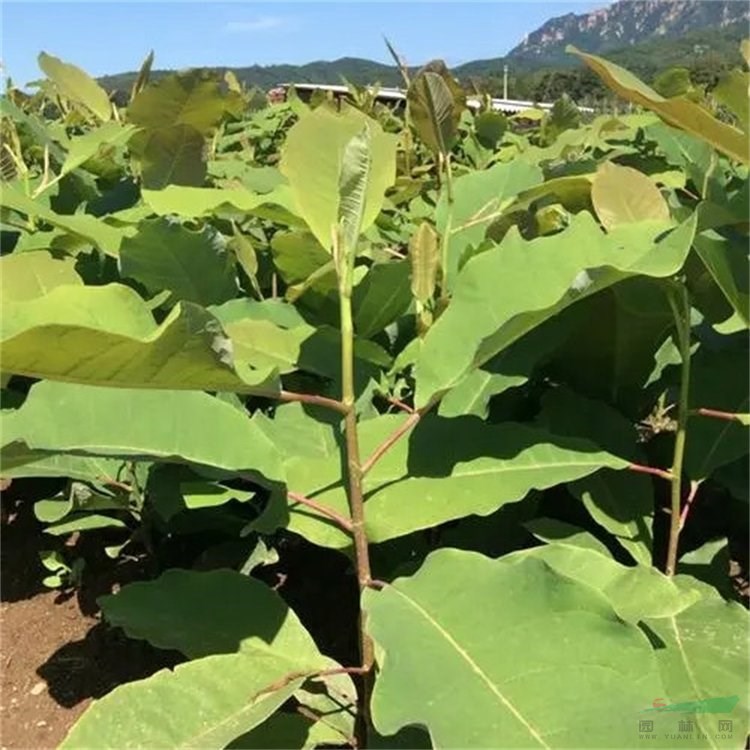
{"x":345,"y":523}
{"x":661,"y":473}
{"x":310,"y":398}
{"x":400,"y":404}
{"x":308,"y":674}
{"x":715,"y":414}
{"x":688,"y":503}
{"x":680,"y":304}
{"x":393,"y":438}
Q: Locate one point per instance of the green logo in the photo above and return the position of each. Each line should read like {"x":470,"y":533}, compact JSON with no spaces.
{"x":705,"y":706}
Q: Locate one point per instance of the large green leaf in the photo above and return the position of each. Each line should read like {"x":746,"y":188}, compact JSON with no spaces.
{"x":447,"y":469}
{"x":205,"y":703}
{"x":702,"y":656}
{"x":74,"y":84}
{"x":634,"y":592}
{"x":172,"y":155}
{"x":191,"y":202}
{"x":168,"y":425}
{"x":511,"y":368}
{"x":479,"y":199}
{"x":726,"y":261}
{"x":539,"y":279}
{"x":204,"y":613}
{"x":314,"y":159}
{"x":193,"y":99}
{"x":436,"y":102}
{"x":718,"y":380}
{"x":611,"y":350}
{"x":221,"y":611}
{"x":542,"y":661}
{"x":194,"y":265}
{"x":94,"y":143}
{"x":622,"y":194}
{"x":383,"y":295}
{"x":25,"y":276}
{"x":100,"y":234}
{"x":620,"y":501}
{"x":107,"y":336}
{"x":680,"y":111}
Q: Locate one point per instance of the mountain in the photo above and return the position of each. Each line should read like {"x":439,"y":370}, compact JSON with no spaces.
{"x":354,"y":69}
{"x":645,"y":36}
{"x":627,"y":22}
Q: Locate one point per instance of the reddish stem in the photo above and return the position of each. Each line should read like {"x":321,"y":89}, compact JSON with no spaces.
{"x":726,"y":415}
{"x":400,"y":404}
{"x":661,"y":473}
{"x":345,"y":523}
{"x":688,"y":503}
{"x":310,"y":398}
{"x":393,"y":438}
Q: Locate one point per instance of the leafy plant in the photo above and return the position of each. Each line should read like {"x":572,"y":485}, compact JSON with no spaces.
{"x":499,"y":371}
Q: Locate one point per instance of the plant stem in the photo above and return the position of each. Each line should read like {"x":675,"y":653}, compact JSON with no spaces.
{"x":678,"y":301}
{"x":393,"y":438}
{"x":354,"y":475}
{"x":343,"y":522}
{"x":311,"y":398}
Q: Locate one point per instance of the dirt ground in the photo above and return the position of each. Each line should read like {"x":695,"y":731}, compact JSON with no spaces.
{"x":55,"y":653}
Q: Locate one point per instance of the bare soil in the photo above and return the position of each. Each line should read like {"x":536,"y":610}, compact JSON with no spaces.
{"x":55,"y":653}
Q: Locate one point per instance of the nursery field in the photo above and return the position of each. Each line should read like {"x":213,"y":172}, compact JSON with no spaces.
{"x":328,"y":424}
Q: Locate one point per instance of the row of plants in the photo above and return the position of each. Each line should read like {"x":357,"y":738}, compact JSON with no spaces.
{"x":503,"y":372}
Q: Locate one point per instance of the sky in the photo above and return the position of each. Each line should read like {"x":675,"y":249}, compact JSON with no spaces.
{"x":113,"y":37}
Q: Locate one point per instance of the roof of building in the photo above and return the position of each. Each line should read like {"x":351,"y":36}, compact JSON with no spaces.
{"x":511,"y":106}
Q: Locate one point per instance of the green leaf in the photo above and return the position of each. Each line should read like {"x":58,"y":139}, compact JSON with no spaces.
{"x":171,"y":155}
{"x":490,"y":127}
{"x":448,"y":469}
{"x":702,"y":656}
{"x":620,"y":501}
{"x":72,"y":83}
{"x":168,"y":425}
{"x":194,"y":265}
{"x":84,"y":522}
{"x":547,"y":664}
{"x":94,"y":143}
{"x":141,"y":81}
{"x":283,"y":731}
{"x":314,"y":160}
{"x":540,"y":278}
{"x":205,"y":703}
{"x":726,"y":261}
{"x":27,"y":463}
{"x":436,"y":102}
{"x":204,"y":613}
{"x":190,"y":202}
{"x":192,"y":99}
{"x":479,"y":199}
{"x":679,"y":112}
{"x":611,"y":350}
{"x":207,"y":495}
{"x":552,"y":530}
{"x":732,"y":92}
{"x":718,"y":380}
{"x":221,"y":611}
{"x":622,"y":195}
{"x":635,"y":593}
{"x":25,"y":276}
{"x":100,"y":234}
{"x":511,"y":368}
{"x":381,"y":297}
{"x":425,"y":259}
{"x":111,"y":339}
